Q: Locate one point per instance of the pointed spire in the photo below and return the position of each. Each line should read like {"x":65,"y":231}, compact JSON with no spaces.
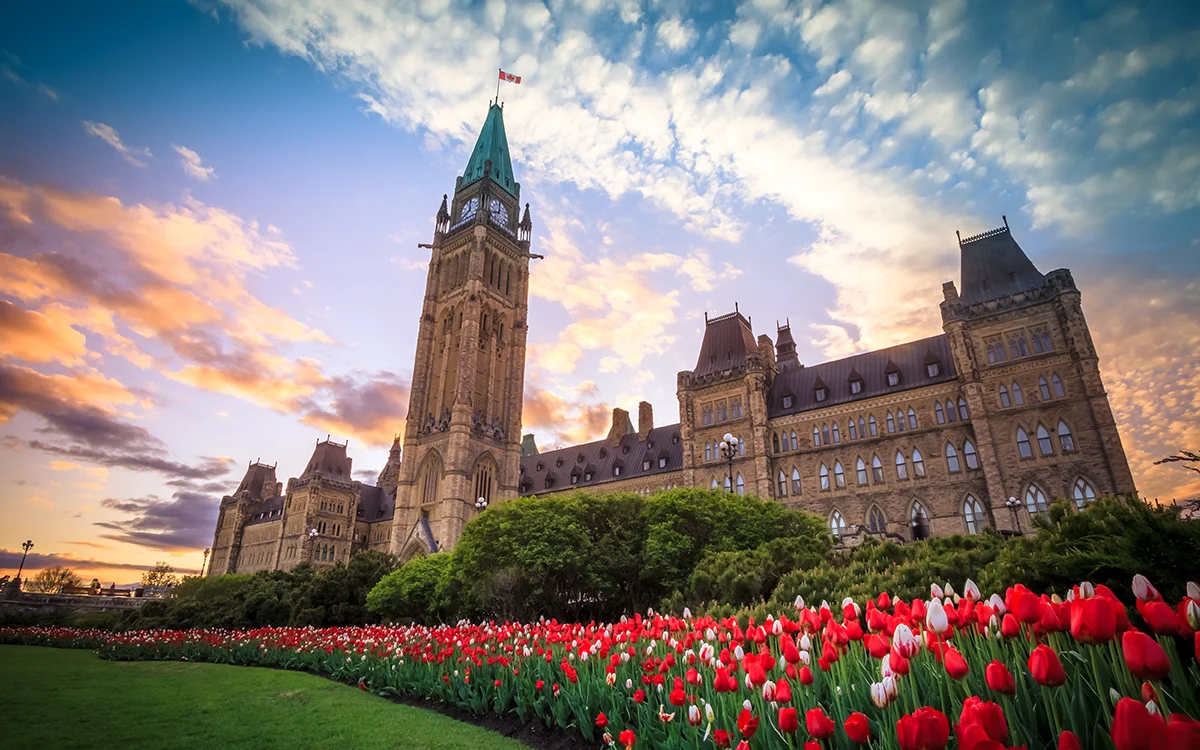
{"x":490,"y":157}
{"x":525,"y":228}
{"x":443,"y":216}
{"x":994,"y":265}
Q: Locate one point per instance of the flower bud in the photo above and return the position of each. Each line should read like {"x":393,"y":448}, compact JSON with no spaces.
{"x":1193,"y":614}
{"x":799,"y":604}
{"x":879,"y":695}
{"x":971,"y":590}
{"x":1143,"y":589}
{"x":1193,"y":590}
{"x":935,"y":591}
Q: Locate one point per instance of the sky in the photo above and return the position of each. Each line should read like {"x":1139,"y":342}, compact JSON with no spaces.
{"x":210,"y":212}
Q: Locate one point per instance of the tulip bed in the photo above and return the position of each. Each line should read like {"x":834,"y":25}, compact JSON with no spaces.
{"x":953,"y":671}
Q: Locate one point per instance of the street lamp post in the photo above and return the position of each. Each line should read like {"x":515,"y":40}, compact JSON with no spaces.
{"x":481,"y":504}
{"x":729,"y":449}
{"x":27,"y":545}
{"x":203,"y":564}
{"x":312,"y":542}
{"x":1014,"y":506}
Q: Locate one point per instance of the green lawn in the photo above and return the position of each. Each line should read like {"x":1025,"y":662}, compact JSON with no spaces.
{"x":54,"y":699}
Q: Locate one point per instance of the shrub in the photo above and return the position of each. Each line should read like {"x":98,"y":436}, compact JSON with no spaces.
{"x":418,"y":590}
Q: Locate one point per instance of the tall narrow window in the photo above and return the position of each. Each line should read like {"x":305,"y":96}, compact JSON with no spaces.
{"x":875,"y":520}
{"x":876,"y":470}
{"x":706,"y":414}
{"x":973,"y":515}
{"x":891,"y":422}
{"x":708,"y":451}
{"x":837,"y":525}
{"x":874,"y":427}
{"x":715,"y":484}
{"x":775,"y":443}
{"x":1044,"y":388}
{"x":962,"y":408}
{"x":741,"y":485}
{"x":735,"y":408}
{"x":900,"y":420}
{"x":1004,"y":400}
{"x":920,"y":522}
{"x":861,"y":469}
{"x":851,"y":429}
{"x":1045,"y":447}
{"x":839,"y":476}
{"x":1065,"y":440}
{"x":918,"y":464}
{"x":728,"y":487}
{"x":939,"y":414}
{"x":1058,"y":386}
{"x":952,"y":458}
{"x":795,"y":444}
{"x":1082,"y":493}
{"x":901,"y":466}
{"x":722,"y":411}
{"x":782,"y":484}
{"x":741,"y":447}
{"x":816,"y":436}
{"x":1035,"y":500}
{"x":862,"y":428}
{"x":796,"y":481}
{"x":950,"y":413}
{"x":837,"y":435}
{"x":912,"y":419}
{"x":1018,"y":397}
{"x":995,"y":351}
{"x":823,"y":474}
{"x":969,"y":455}
{"x":825,"y":434}
{"x":1017,"y":346}
{"x":1042,"y":341}
{"x":1023,"y":443}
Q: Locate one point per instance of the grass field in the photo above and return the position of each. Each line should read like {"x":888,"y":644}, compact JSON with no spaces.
{"x":55,"y":699}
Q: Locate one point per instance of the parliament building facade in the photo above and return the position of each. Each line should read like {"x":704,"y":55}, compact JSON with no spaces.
{"x":984,"y":424}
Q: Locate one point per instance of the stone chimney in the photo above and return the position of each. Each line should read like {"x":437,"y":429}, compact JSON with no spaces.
{"x":621,"y":426}
{"x":645,"y":419}
{"x":766,"y":350}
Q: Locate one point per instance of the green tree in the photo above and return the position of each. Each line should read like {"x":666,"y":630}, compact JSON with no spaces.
{"x":418,"y":590}
{"x":162,"y":575}
{"x":52,"y":580}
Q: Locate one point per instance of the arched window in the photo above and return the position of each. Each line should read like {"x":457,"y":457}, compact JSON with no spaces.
{"x":823,"y":474}
{"x":485,"y":473}
{"x":970,"y":456}
{"x":918,"y":464}
{"x":741,"y":447}
{"x":816,"y":436}
{"x":825,"y":434}
{"x":795,"y":481}
{"x":1035,"y":500}
{"x":837,"y":525}
{"x":901,"y":466}
{"x":962,"y":408}
{"x":782,"y":484}
{"x":1058,"y":386}
{"x":708,"y":452}
{"x":900,"y":419}
{"x":1004,"y":401}
{"x":1023,"y":443}
{"x":431,"y":476}
{"x":715,"y":484}
{"x":862,"y":427}
{"x":876,"y":523}
{"x":939,"y":414}
{"x":891,"y":422}
{"x":919,"y":520}
{"x":1083,"y":493}
{"x":874,"y":426}
{"x":1045,"y":447}
{"x":950,"y":413}
{"x":1018,"y":397}
{"x":727,"y":485}
{"x":839,"y":476}
{"x":1044,"y":388}
{"x":795,"y":445}
{"x":860,"y":468}
{"x":851,"y":430}
{"x":1065,"y":440}
{"x":837,"y":436}
{"x":741,"y":486}
{"x":952,"y":458}
{"x":876,"y":470}
{"x":775,"y":442}
{"x":973,"y":515}
{"x":912,"y":419}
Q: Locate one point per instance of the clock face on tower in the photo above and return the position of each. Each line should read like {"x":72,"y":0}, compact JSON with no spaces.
{"x":499,"y":213}
{"x":469,"y":208}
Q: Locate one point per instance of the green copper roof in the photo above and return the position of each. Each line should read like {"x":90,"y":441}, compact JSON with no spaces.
{"x":492,"y":145}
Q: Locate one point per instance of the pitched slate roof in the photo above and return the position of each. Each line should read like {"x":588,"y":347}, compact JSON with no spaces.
{"x":599,"y":459}
{"x":329,"y":460}
{"x":871,"y":367}
{"x":994,"y":266}
{"x":375,"y":505}
{"x":728,"y":340}
{"x":492,"y":145}
{"x":259,"y":478}
{"x":270,"y":510}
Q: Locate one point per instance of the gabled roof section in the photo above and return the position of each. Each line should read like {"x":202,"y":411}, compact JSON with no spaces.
{"x":994,"y":266}
{"x":492,"y":145}
{"x":329,"y":460}
{"x":599,"y":458}
{"x":871,"y":367}
{"x":728,"y":340}
{"x":375,"y":504}
{"x":270,"y":510}
{"x":259,"y":481}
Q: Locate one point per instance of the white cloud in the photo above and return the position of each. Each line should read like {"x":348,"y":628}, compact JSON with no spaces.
{"x":108,"y":134}
{"x":675,"y":34}
{"x":193,"y":165}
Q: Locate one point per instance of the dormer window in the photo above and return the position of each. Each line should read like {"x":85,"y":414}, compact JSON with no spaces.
{"x":856,"y":386}
{"x":587,"y":476}
{"x":646,"y":465}
{"x":540,"y":466}
{"x":603,"y":453}
{"x":893,"y":378}
{"x":933,"y":369}
{"x":616,"y":471}
{"x":574,"y":479}
{"x":788,"y":400}
{"x":821,"y":393}
{"x":662,"y":462}
{"x":558,"y":463}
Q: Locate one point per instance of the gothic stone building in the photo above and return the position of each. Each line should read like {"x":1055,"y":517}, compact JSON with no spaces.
{"x":982,"y":425}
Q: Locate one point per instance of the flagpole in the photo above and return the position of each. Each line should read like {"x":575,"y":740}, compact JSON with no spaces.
{"x":498,"y":71}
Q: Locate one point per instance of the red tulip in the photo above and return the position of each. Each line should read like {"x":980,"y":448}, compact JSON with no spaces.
{"x":1009,"y":626}
{"x":601,"y":720}
{"x":1092,"y":620}
{"x":956,"y":665}
{"x":999,"y":679}
{"x":984,"y":714}
{"x":806,"y":675}
{"x":1068,"y":741}
{"x":639,"y":696}
{"x":857,"y":728}
{"x":923,"y":729}
{"x":1183,"y":733}
{"x":783,"y":691}
{"x":1025,"y":605}
{"x":876,"y":645}
{"x":1135,"y":728}
{"x":1046,"y":668}
{"x":721,"y":738}
{"x":810,"y":745}
{"x":788,"y":721}
{"x":1159,"y":617}
{"x":1144,"y":657}
{"x":747,"y":724}
{"x":818,"y":724}
{"x":627,"y":738}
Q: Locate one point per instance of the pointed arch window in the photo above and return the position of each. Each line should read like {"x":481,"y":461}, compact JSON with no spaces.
{"x":741,"y":447}
{"x":952,"y":458}
{"x":839,"y":476}
{"x":1045,"y":447}
{"x":876,"y":470}
{"x":837,"y":435}
{"x":874,"y":426}
{"x":1083,"y":493}
{"x":862,"y":428}
{"x":1004,"y":400}
{"x":728,"y":487}
{"x":825,"y":434}
{"x":715,"y":484}
{"x":837,"y":525}
{"x":919,"y":521}
{"x":1035,"y":500}
{"x":876,"y":523}
{"x":939,"y":414}
{"x":962,"y":408}
{"x":795,"y":481}
{"x":901,"y":466}
{"x":816,"y":436}
{"x":851,"y":430}
{"x":795,"y":443}
{"x":708,"y":453}
{"x":1018,"y":396}
{"x":912,"y":419}
{"x":973,"y":515}
{"x":1023,"y":443}
{"x":918,"y":464}
{"x":1044,"y":387}
{"x":782,"y":484}
{"x":741,"y":485}
{"x":823,"y":474}
{"x":970,"y":457}
{"x":891,"y":422}
{"x":775,"y":442}
{"x":950,"y":413}
{"x":860,"y":468}
{"x":1066,"y":440}
{"x":900,"y":419}
{"x":1058,"y":386}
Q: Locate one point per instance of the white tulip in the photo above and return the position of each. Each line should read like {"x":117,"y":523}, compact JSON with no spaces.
{"x":687,"y":613}
{"x":1193,"y":590}
{"x":971,"y":590}
{"x":1143,"y":589}
{"x":879,"y":695}
{"x":935,"y":591}
{"x":935,"y":617}
{"x":1086,"y":590}
{"x":799,"y":602}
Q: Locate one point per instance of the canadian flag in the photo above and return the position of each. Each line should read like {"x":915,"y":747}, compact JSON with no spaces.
{"x":509,"y":77}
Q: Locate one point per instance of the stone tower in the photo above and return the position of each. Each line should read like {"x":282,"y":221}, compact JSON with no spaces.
{"x":462,"y":437}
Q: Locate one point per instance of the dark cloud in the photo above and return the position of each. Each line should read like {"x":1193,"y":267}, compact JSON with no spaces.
{"x":182,"y":523}
{"x":206,"y":468}
{"x":369,"y":406}
{"x":11,"y":559}
{"x":365,"y":475}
